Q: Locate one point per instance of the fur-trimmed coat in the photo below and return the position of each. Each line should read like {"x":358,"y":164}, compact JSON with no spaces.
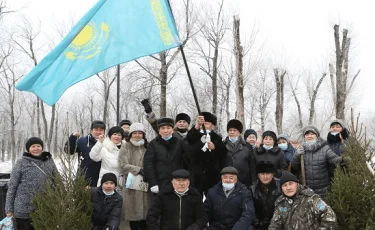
{"x":106,"y":152}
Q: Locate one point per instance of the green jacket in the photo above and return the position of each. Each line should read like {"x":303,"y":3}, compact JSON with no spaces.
{"x":306,"y":211}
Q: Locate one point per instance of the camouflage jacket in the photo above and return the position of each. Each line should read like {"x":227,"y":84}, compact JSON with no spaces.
{"x":307,"y":211}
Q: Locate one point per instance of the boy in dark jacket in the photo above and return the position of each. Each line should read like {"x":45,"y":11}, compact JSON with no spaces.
{"x":107,"y":204}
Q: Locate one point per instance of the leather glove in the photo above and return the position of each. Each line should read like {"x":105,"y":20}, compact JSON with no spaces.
{"x":141,"y":172}
{"x":154,"y":189}
{"x":146,"y":105}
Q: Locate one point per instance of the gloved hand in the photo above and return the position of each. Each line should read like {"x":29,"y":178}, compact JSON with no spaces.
{"x":155,"y":189}
{"x":300,"y":151}
{"x":141,"y":172}
{"x":146,"y":105}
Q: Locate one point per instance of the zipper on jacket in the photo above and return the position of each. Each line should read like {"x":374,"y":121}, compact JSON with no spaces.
{"x":179,"y":220}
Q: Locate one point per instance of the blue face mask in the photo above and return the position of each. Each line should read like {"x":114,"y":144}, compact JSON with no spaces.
{"x":334,"y":133}
{"x":267,"y":147}
{"x":311,"y":142}
{"x":233,"y":139}
{"x":283,"y":146}
{"x":141,"y":142}
{"x":109,"y":194}
{"x":167,"y":138}
{"x":228,"y":186}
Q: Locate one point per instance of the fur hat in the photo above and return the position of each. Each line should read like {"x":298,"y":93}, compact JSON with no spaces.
{"x":271,"y":134}
{"x":287,"y":176}
{"x":137,"y":127}
{"x":181,"y":173}
{"x":209,"y":117}
{"x":165,"y":121}
{"x":125,"y":122}
{"x":283,"y":136}
{"x":116,"y":129}
{"x":265,"y":167}
{"x":183,"y":116}
{"x":32,"y":141}
{"x":311,"y":128}
{"x":249,"y":132}
{"x":229,"y":170}
{"x":98,"y":124}
{"x":109,"y":177}
{"x":236,"y":124}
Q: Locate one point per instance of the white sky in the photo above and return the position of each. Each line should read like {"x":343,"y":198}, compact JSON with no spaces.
{"x":302,"y":31}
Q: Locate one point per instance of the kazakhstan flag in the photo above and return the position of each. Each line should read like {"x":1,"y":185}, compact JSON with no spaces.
{"x":112,"y":32}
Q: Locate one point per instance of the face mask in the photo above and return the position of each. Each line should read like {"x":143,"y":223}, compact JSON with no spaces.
{"x":283,"y":146}
{"x":334,"y":133}
{"x":207,"y":131}
{"x":311,"y":142}
{"x":141,"y":142}
{"x":233,"y":139}
{"x":109,"y":194}
{"x":228,"y":186}
{"x":267,"y":147}
{"x":167,"y":138}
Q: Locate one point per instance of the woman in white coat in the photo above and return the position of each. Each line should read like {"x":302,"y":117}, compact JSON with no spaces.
{"x":107,"y":151}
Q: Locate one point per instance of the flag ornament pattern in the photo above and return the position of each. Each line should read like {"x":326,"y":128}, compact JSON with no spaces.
{"x":111,"y":33}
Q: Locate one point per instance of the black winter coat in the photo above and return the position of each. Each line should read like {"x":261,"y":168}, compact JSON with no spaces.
{"x":177,"y":212}
{"x":205,"y":167}
{"x":275,"y":155}
{"x":241,"y":157}
{"x":82,"y":147}
{"x":264,"y":203}
{"x":235,"y":212}
{"x":106,"y":209}
{"x":162,"y":158}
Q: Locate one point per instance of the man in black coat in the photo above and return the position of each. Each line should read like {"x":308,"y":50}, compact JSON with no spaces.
{"x":206,"y":157}
{"x":178,"y":207}
{"x":229,"y":204}
{"x":265,"y":192}
{"x":165,"y":154}
{"x":107,"y":204}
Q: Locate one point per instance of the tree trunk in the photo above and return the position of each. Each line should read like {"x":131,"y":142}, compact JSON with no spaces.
{"x":38,"y":117}
{"x":227,"y":109}
{"x":238,"y":53}
{"x":2,"y":150}
{"x":214,"y":79}
{"x":163,"y":84}
{"x":45,"y":125}
{"x":55,"y":142}
{"x":106,"y":96}
{"x":262,"y":113}
{"x":279,"y":78}
{"x":313,"y":98}
{"x":51,"y":129}
{"x":300,"y":123}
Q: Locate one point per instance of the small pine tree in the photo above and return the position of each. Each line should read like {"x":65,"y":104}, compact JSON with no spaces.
{"x":353,"y":189}
{"x":66,"y":204}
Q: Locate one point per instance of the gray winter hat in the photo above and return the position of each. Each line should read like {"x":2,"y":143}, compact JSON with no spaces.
{"x":137,"y":127}
{"x":283,"y":136}
{"x":338,"y":121}
{"x":311,"y":128}
{"x":229,"y":170}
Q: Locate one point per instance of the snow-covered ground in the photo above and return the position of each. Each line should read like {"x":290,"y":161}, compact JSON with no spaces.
{"x":6,"y":167}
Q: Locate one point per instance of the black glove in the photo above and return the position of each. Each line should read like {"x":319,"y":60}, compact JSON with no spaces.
{"x":146,"y":105}
{"x":141,"y":172}
{"x":345,"y":134}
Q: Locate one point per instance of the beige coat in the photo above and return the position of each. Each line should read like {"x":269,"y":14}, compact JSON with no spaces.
{"x":136,"y":203}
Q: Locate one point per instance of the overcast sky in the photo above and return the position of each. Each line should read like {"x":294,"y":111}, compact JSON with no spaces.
{"x":302,"y":31}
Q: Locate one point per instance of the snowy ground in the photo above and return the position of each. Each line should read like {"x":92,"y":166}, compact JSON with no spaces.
{"x":6,"y":167}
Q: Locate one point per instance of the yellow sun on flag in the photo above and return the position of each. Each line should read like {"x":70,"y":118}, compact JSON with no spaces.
{"x":85,"y":38}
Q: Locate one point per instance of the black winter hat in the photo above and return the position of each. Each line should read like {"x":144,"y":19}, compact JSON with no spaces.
{"x":125,"y":122}
{"x":116,"y":129}
{"x":165,"y":121}
{"x":271,"y":134}
{"x":32,"y":141}
{"x":183,"y":116}
{"x":181,"y":173}
{"x":250,"y":131}
{"x":209,"y":117}
{"x":97,"y":124}
{"x":265,"y":167}
{"x":236,"y":124}
{"x":287,"y":176}
{"x":109,"y":177}
{"x":229,"y":170}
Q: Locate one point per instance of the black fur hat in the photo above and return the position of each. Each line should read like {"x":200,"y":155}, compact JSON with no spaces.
{"x":234,"y":123}
{"x":33,"y":141}
{"x":209,"y":117}
{"x":265,"y":167}
{"x":183,"y":116}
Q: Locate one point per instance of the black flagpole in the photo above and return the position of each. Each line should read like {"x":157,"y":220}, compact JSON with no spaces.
{"x":118,"y":94}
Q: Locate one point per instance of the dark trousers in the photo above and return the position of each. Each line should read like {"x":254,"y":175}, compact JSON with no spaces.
{"x":23,"y":224}
{"x":138,"y":225}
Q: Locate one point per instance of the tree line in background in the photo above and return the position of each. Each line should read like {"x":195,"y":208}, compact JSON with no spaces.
{"x":233,"y":74}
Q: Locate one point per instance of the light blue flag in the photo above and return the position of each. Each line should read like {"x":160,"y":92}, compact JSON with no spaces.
{"x":112,"y":32}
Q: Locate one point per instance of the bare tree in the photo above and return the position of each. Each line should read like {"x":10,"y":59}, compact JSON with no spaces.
{"x":342,"y":88}
{"x":294,"y":89}
{"x":279,"y":79}
{"x":312,"y":97}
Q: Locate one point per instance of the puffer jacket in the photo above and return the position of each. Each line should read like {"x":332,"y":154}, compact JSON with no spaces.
{"x":240,"y":157}
{"x":26,"y":180}
{"x":317,"y":157}
{"x":275,"y":155}
{"x":107,"y":153}
{"x":306,"y":211}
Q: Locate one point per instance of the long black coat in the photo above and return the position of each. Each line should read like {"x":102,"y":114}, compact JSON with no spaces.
{"x":275,"y":155}
{"x":106,"y":209}
{"x":162,"y":158}
{"x":264,"y":203}
{"x":205,"y":167}
{"x":177,"y":212}
{"x":240,"y":156}
{"x":235,"y":212}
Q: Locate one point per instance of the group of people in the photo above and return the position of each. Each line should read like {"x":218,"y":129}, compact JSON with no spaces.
{"x":195,"y":178}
